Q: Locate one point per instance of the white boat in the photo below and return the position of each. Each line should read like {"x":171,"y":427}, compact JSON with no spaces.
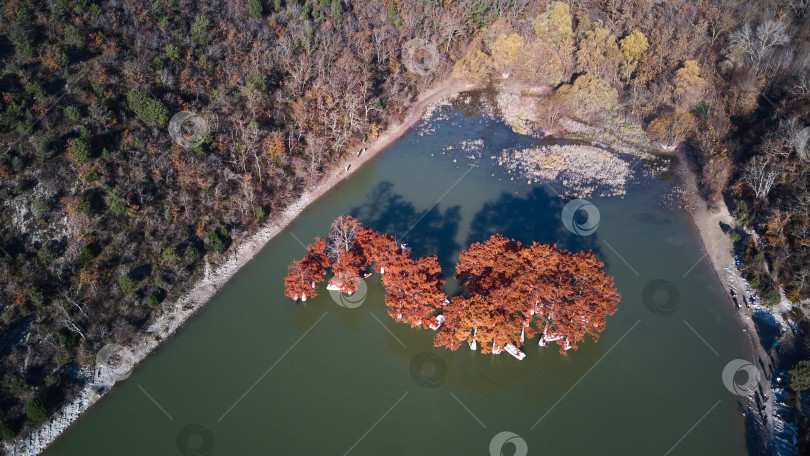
{"x":382,"y":270}
{"x":366,"y":275}
{"x":295,"y":298}
{"x":332,"y":287}
{"x":303,"y":298}
{"x":544,"y":339}
{"x":473,"y":345}
{"x":522,"y":333}
{"x":440,"y":320}
{"x":514,"y":351}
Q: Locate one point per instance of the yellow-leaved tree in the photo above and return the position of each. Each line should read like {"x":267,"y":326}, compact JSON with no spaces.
{"x":589,"y":96}
{"x":632,"y":47}
{"x":671,"y":128}
{"x":689,"y":86}
{"x":474,"y":65}
{"x":550,"y":59}
{"x":598,"y":54}
{"x":505,"y":52}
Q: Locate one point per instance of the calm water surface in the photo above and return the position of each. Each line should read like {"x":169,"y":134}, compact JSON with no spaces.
{"x":255,"y":374}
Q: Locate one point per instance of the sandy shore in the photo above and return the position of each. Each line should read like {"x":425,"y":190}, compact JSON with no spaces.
{"x":719,"y":251}
{"x":177,"y":313}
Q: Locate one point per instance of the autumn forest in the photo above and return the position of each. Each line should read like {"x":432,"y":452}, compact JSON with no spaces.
{"x":106,"y":220}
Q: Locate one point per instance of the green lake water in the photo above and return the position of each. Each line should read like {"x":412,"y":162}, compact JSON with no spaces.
{"x":256,"y":374}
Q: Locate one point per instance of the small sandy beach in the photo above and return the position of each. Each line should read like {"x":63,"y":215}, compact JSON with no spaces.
{"x":719,"y":251}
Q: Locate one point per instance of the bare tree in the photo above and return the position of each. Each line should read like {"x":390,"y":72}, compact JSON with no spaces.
{"x":341,"y":236}
{"x":761,"y":43}
{"x":761,"y":173}
{"x":67,"y":321}
{"x":451,"y":26}
{"x":799,"y":7}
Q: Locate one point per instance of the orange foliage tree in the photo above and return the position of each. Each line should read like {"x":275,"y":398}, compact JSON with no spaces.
{"x":305,"y":273}
{"x":512,"y":291}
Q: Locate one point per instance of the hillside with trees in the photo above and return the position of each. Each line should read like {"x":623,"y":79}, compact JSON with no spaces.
{"x":512,"y":292}
{"x":105,"y":217}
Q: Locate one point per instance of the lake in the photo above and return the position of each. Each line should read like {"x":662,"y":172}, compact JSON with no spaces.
{"x":254,"y":373}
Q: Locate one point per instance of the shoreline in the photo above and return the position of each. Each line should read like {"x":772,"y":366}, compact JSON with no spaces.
{"x":716,"y":244}
{"x":206,"y":288}
{"x":718,"y":248}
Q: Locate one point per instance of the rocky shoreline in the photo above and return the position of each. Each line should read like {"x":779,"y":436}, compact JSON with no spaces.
{"x":765,"y":401}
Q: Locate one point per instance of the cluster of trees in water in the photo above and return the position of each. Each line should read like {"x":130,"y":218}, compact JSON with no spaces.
{"x":104,"y":219}
{"x":511,"y":291}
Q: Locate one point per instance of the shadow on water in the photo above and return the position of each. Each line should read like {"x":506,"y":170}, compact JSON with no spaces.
{"x":535,"y":217}
{"x":428,"y":233}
